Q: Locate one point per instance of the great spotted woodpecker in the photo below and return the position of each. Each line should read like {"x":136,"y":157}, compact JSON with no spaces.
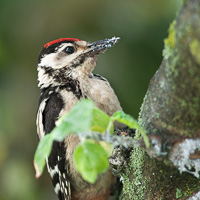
{"x":65,"y":76}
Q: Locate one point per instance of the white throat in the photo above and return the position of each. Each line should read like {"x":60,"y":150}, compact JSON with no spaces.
{"x":44,"y":80}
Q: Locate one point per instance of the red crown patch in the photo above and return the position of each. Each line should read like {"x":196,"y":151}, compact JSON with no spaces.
{"x":61,"y":40}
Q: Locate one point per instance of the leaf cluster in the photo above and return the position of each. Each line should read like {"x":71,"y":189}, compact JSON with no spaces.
{"x":90,"y":156}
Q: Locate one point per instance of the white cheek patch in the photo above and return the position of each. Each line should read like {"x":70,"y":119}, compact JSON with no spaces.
{"x":48,"y":60}
{"x":58,"y":60}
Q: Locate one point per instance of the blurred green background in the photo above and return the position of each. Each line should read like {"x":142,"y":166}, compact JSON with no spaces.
{"x":25,"y":25}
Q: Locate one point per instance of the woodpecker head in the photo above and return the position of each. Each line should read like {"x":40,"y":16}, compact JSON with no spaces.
{"x":69,"y":57}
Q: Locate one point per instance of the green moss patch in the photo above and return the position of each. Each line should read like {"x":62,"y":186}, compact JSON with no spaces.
{"x":195,"y":50}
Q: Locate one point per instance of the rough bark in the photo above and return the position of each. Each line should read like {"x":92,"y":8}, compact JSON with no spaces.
{"x":171,"y":115}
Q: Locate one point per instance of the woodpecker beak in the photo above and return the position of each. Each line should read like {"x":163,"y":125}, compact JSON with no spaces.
{"x":101,"y":46}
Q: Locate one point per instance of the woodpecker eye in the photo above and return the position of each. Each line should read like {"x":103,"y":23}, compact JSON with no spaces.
{"x":69,"y":50}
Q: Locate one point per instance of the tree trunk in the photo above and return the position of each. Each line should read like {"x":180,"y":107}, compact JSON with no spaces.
{"x":170,"y":113}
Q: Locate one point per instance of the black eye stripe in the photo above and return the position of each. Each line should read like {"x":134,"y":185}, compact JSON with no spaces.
{"x":69,"y":50}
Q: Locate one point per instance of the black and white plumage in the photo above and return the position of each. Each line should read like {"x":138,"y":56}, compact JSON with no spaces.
{"x":65,"y":76}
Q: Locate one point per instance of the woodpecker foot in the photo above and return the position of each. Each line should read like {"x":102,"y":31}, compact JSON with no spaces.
{"x":120,"y":154}
{"x":117,"y":161}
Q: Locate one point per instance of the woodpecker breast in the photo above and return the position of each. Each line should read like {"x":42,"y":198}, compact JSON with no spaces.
{"x":65,"y":77}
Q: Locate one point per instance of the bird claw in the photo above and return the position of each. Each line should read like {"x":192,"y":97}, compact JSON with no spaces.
{"x":117,"y":161}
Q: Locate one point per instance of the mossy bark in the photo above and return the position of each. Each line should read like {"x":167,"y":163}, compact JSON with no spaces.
{"x":171,"y":112}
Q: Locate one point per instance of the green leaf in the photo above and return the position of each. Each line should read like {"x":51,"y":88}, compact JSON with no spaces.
{"x":77,"y":120}
{"x":99,"y":121}
{"x":107,"y":147}
{"x":122,"y":117}
{"x":83,"y":117}
{"x":90,"y":159}
{"x":42,"y":152}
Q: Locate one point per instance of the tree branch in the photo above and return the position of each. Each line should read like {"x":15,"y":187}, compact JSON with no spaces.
{"x":170,"y":114}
